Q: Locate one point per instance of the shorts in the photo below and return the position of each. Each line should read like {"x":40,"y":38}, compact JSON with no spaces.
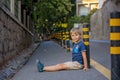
{"x":73,"y":65}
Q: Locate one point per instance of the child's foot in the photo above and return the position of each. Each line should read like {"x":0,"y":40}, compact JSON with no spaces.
{"x":40,"y":66}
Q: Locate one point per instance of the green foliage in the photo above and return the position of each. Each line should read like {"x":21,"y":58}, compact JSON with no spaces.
{"x":48,"y":12}
{"x":87,"y":18}
{"x":25,"y":2}
{"x":72,"y":20}
{"x":45,"y":13}
{"x":80,"y":19}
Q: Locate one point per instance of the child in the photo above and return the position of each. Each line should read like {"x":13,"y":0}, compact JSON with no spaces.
{"x":79,"y":59}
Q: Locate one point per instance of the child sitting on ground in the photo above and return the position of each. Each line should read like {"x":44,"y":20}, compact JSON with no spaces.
{"x":79,"y":59}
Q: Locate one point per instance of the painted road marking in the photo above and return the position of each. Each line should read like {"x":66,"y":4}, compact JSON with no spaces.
{"x":103,"y":70}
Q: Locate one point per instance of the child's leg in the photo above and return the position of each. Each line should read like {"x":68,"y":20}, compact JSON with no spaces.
{"x":57,"y":67}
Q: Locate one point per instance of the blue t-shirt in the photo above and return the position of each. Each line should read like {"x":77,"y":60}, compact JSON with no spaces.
{"x":77,"y":52}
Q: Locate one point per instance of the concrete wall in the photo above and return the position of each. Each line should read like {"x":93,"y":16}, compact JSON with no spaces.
{"x":100,"y":20}
{"x":14,"y":36}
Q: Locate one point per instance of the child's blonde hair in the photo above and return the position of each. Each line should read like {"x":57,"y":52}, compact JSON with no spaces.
{"x":76,"y":30}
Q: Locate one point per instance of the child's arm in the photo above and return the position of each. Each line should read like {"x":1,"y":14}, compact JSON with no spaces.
{"x":85,"y":60}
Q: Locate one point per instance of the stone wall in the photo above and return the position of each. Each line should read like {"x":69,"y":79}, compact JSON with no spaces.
{"x":100,"y":20}
{"x":14,"y":37}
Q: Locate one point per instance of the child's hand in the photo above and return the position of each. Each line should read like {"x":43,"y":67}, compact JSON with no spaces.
{"x":85,"y":68}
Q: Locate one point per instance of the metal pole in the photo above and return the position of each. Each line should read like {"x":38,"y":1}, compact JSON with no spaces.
{"x":68,"y":40}
{"x":86,"y":41}
{"x":63,"y":39}
{"x":115,"y":45}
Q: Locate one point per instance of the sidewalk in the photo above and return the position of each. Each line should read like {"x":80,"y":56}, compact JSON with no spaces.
{"x":51,"y":53}
{"x":17,"y":63}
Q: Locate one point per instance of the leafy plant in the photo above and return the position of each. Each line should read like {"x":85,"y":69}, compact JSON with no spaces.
{"x":49,"y":12}
{"x":80,"y":19}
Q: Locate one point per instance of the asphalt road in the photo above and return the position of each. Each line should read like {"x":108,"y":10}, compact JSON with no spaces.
{"x":49,"y":52}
